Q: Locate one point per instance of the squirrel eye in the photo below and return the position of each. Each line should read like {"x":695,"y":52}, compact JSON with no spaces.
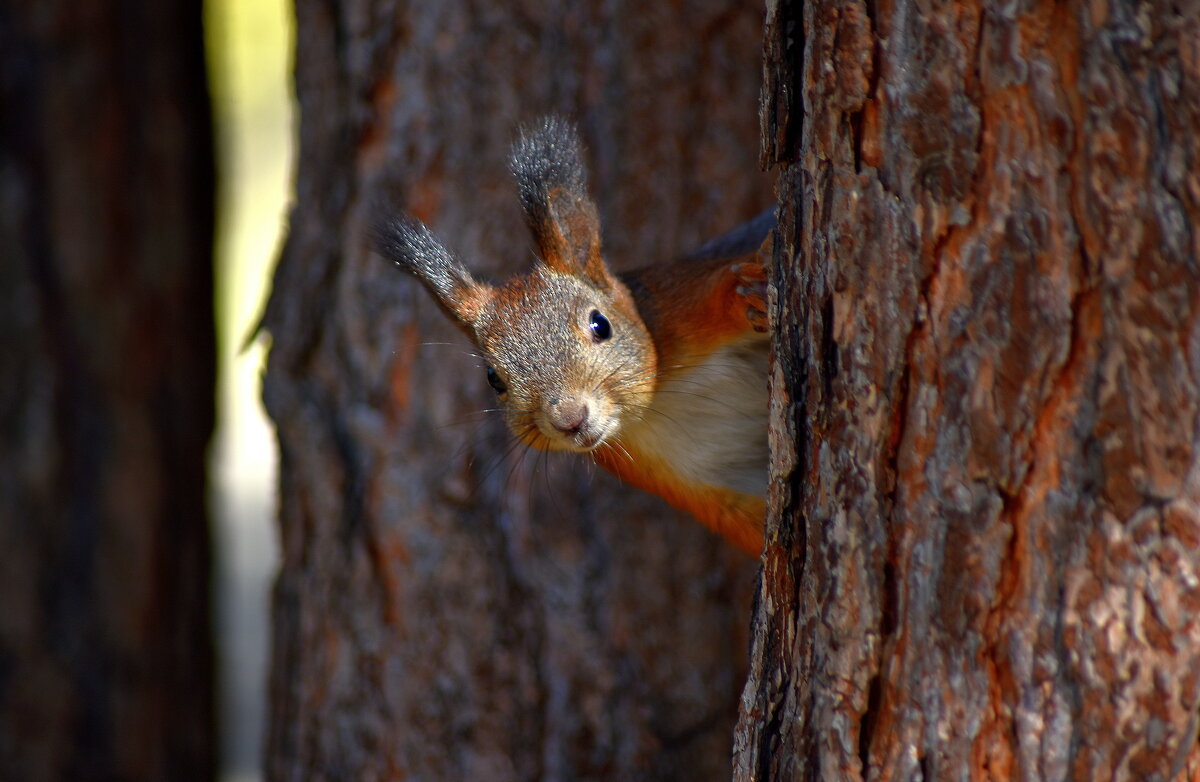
{"x":495,"y":382}
{"x":600,"y":327}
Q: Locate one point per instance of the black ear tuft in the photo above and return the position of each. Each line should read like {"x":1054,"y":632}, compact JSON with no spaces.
{"x":547,"y":161}
{"x":408,"y":243}
{"x":548,"y":157}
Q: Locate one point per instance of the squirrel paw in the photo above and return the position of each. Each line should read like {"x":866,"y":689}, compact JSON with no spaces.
{"x":752,"y":289}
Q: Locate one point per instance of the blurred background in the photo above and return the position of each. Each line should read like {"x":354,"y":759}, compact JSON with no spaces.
{"x":138,"y":224}
{"x":249,"y":45}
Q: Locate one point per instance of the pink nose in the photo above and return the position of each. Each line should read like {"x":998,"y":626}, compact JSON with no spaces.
{"x":567,"y":415}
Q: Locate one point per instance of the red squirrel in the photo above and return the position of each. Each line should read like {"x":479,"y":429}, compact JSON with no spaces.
{"x":660,"y":373}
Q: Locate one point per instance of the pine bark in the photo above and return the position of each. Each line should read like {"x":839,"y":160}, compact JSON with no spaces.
{"x":107,"y":373}
{"x":982,"y":557}
{"x":449,"y":606}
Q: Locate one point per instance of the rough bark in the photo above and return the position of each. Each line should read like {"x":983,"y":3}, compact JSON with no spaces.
{"x":107,"y":372}
{"x":982,"y":558}
{"x":450,"y":607}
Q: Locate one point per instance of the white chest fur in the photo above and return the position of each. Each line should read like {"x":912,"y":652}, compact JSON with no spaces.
{"x":710,"y":421}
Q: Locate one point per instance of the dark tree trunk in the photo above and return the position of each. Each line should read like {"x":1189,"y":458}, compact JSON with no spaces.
{"x":983,"y":558}
{"x":107,"y":364}
{"x":448,"y":607}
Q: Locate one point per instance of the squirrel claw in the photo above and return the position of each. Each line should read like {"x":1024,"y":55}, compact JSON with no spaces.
{"x":756,"y":313}
{"x":749,"y":272}
{"x":752,"y":289}
{"x":758,"y":321}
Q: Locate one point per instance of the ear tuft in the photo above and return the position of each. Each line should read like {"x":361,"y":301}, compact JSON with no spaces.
{"x":408,"y":243}
{"x":547,"y":161}
{"x":548,"y":157}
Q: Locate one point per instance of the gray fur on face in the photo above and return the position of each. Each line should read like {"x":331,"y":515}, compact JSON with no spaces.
{"x":536,"y":337}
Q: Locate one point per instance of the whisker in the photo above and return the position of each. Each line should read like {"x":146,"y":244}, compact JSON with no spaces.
{"x":705,"y":397}
{"x":465,"y":350}
{"x":552,"y":492}
{"x":515,"y":465}
{"x":617,"y":447}
{"x":501,"y":459}
{"x":473,"y":418}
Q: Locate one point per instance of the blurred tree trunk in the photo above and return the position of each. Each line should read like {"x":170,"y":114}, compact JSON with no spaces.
{"x":449,"y":607}
{"x":107,"y":361}
{"x":984,"y":554}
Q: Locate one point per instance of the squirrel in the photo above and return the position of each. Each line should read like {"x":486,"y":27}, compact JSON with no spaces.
{"x":659,"y":374}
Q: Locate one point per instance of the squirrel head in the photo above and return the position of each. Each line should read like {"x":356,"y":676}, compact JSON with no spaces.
{"x":568,"y":354}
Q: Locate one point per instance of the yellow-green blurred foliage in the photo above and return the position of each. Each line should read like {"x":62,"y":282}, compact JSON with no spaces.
{"x":250,"y":51}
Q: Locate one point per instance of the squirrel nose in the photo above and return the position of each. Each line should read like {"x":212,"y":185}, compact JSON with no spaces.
{"x":567,"y":415}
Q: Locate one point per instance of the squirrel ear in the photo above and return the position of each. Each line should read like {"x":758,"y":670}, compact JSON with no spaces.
{"x":408,"y":243}
{"x":547,"y":162}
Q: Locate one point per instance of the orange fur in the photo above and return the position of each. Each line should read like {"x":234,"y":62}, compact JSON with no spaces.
{"x":735,"y":516}
{"x":691,"y":308}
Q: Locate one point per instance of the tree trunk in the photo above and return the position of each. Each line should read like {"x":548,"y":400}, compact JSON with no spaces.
{"x":449,"y":606}
{"x":983,"y":557}
{"x":106,"y":397}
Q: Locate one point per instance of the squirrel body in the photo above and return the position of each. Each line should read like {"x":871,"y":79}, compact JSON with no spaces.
{"x":658,"y":373}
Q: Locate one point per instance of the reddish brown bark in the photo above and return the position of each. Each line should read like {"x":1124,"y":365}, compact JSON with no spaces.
{"x":982,"y":558}
{"x":107,"y":365}
{"x":448,"y":607}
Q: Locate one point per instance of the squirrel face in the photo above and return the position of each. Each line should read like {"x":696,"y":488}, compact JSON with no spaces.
{"x":567,"y":353}
{"x":569,"y":361}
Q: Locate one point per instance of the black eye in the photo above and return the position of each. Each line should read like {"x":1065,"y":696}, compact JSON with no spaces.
{"x":601,"y":328}
{"x":495,"y":382}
